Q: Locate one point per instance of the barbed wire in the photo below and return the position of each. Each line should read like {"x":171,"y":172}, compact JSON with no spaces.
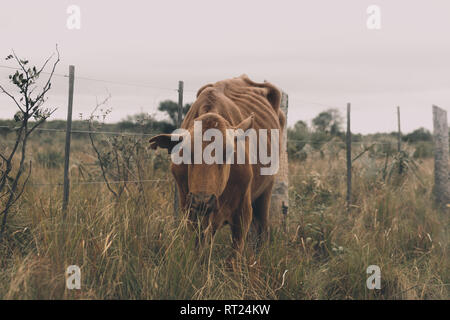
{"x":89,"y":132}
{"x":126,"y":84}
{"x":158,"y":132}
{"x":318,"y":175}
{"x":342,"y":142}
{"x":320,"y":104}
{"x":157,"y":87}
{"x":60,"y":184}
{"x":98,"y":182}
{"x":44,"y":72}
{"x":103,"y":81}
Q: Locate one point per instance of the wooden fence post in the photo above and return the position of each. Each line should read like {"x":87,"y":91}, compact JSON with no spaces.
{"x":279,"y":202}
{"x":179,"y":120}
{"x":349,"y":159}
{"x":68,"y":136}
{"x":180,"y":103}
{"x":399,"y":134}
{"x":441,"y":157}
{"x":399,"y":140}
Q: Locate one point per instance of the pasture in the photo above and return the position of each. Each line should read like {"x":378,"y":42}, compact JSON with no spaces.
{"x":131,"y":246}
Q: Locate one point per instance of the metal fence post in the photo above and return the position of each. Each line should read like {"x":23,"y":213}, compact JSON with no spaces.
{"x":349,"y":159}
{"x":399,"y":141}
{"x":399,"y":134}
{"x":68,"y":136}
{"x":176,"y":208}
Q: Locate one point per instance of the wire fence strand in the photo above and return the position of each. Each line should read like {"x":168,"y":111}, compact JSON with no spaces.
{"x":125,"y":133}
{"x":60,"y":184}
{"x":89,"y":132}
{"x":129,"y":84}
{"x":99,"y":182}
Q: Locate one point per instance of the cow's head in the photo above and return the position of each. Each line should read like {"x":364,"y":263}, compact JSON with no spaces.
{"x":205,"y":181}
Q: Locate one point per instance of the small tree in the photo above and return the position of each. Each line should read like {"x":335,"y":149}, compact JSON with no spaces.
{"x":171,"y":108}
{"x":145,"y":123}
{"x":418,"y":135}
{"x":298,"y":137}
{"x":29,"y":101}
{"x":329,"y":121}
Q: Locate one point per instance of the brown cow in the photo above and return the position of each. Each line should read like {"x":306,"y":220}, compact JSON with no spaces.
{"x":234,"y":194}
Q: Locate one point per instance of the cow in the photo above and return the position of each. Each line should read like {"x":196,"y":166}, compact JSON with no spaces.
{"x":237,"y":194}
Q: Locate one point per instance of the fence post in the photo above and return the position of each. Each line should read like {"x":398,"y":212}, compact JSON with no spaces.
{"x":279,"y":202}
{"x":441,"y":157}
{"x":68,"y":135}
{"x":349,"y":159}
{"x":399,"y":134}
{"x":399,"y":140}
{"x":180,"y":103}
{"x":179,"y":120}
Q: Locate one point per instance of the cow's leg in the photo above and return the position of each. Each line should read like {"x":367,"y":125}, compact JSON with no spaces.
{"x":261,"y":211}
{"x":241,"y":224}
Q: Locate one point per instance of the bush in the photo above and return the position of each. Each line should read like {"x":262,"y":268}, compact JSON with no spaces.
{"x":417,"y":135}
{"x":318,"y":139}
{"x":297,"y":138}
{"x":423,"y":150}
{"x":50,"y":159}
{"x":383,"y":148}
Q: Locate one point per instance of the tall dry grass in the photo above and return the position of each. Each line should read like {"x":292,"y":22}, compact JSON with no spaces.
{"x":135,"y":248}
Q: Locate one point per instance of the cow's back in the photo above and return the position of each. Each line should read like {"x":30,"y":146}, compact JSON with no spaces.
{"x":236,"y":99}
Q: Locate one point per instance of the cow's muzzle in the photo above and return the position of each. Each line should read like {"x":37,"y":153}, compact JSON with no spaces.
{"x":202,"y":204}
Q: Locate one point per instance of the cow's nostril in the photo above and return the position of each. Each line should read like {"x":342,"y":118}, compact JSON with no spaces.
{"x":202,"y":203}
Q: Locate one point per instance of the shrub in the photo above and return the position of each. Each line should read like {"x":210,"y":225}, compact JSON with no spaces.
{"x":50,"y":159}
{"x":423,"y":150}
{"x":417,"y":135}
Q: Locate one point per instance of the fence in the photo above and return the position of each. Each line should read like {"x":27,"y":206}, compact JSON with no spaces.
{"x":280,"y":197}
{"x":440,"y":131}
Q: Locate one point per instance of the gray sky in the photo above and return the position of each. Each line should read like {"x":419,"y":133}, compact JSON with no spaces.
{"x":320,"y":52}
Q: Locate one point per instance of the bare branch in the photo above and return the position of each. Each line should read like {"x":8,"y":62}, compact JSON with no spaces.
{"x":12,"y":97}
{"x":364,"y":151}
{"x":47,"y":85}
{"x":101,"y":163}
{"x":47,"y":61}
{"x":23,"y":186}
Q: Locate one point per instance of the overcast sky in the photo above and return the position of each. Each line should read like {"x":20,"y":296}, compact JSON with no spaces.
{"x":320,"y":52}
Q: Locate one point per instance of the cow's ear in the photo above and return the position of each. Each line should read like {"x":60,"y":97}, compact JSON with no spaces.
{"x":164,"y":141}
{"x":203,"y":88}
{"x":246,"y":123}
{"x":273,"y":95}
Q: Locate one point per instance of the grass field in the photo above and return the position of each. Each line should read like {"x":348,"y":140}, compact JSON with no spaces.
{"x":133,"y":247}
